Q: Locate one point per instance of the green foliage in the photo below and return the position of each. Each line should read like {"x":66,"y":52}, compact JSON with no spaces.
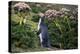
{"x":24,"y":37}
{"x":63,"y":34}
{"x":35,"y":18}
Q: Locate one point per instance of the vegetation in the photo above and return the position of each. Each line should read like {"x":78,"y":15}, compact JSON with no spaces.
{"x":63,"y":30}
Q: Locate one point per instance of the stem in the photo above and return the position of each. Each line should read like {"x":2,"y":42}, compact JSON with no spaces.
{"x":68,"y":22}
{"x":57,"y":24}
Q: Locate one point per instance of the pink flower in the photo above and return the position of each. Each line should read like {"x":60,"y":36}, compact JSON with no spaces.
{"x":21,"y":6}
{"x":52,"y":13}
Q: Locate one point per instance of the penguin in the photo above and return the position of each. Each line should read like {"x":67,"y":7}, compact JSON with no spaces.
{"x":43,"y":33}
